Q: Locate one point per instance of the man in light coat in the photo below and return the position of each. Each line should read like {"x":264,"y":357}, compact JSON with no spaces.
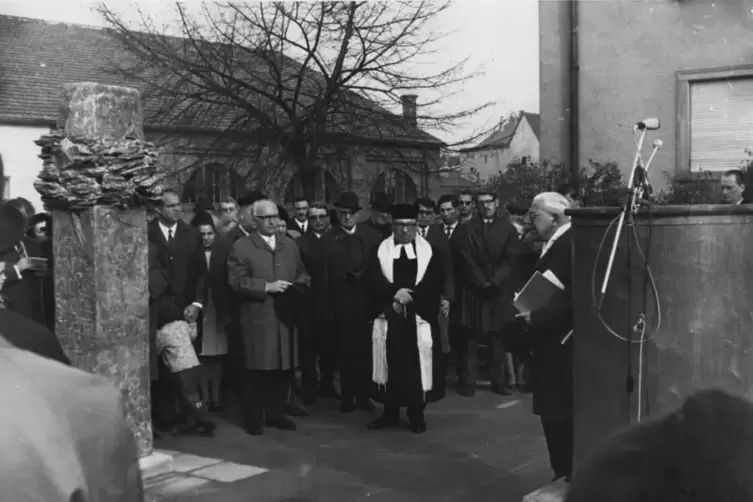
{"x":266,"y":271}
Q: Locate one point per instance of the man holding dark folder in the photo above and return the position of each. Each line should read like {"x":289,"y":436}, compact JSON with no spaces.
{"x":546,"y":304}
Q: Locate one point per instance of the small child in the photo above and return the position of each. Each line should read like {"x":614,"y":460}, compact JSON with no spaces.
{"x":174,"y":344}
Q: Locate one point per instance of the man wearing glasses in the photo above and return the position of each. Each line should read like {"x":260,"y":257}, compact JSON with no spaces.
{"x":465,"y":206}
{"x":485,"y":247}
{"x":346,"y":248}
{"x":318,"y":337}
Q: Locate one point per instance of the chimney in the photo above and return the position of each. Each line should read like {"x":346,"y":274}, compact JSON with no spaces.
{"x":409,"y":109}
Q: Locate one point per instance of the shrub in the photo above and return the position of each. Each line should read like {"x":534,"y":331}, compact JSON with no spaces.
{"x":600,"y":184}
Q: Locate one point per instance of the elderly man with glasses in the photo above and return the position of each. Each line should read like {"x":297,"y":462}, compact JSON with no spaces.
{"x":266,"y":271}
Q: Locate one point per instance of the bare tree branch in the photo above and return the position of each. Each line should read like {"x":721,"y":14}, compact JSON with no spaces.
{"x":295,"y":77}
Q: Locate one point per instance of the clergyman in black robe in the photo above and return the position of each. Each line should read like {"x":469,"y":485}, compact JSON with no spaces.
{"x":406,"y":280}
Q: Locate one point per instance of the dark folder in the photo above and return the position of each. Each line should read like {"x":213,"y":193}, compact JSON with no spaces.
{"x":537,"y":293}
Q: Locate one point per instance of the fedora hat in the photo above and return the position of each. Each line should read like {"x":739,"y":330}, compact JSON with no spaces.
{"x":12,"y":222}
{"x":348,"y":200}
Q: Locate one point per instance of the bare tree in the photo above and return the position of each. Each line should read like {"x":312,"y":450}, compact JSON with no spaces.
{"x":292,"y":77}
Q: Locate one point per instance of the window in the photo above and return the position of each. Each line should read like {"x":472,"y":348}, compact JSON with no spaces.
{"x":398,"y":185}
{"x":212,"y":182}
{"x":326,"y":188}
{"x":715,"y":119}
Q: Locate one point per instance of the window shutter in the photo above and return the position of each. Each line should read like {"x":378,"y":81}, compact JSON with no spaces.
{"x":721,"y":123}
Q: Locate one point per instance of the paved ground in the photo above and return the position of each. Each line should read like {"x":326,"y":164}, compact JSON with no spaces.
{"x":487,"y":448}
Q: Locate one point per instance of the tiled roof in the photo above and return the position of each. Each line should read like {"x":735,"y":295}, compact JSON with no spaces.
{"x":37,"y":57}
{"x":501,"y":136}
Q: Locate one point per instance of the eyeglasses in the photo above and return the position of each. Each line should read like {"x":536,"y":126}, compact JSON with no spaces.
{"x":405,"y":226}
{"x":345,"y":213}
{"x":465,"y":203}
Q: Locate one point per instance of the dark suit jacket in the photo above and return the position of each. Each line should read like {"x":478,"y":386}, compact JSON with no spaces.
{"x":486,"y":258}
{"x":552,"y":362}
{"x":175,"y":264}
{"x":312,"y":255}
{"x":296,"y":225}
{"x":440,"y":244}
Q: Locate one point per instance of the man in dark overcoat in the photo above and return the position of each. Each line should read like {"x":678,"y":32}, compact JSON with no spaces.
{"x":346,"y":249}
{"x":552,"y":342}
{"x":485,"y":246}
{"x":262,"y":269}
{"x":175,"y":244}
{"x":318,"y":329}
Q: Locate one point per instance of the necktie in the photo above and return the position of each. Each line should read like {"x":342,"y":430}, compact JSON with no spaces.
{"x":169,"y":235}
{"x":423,"y":234}
{"x":448,"y":230}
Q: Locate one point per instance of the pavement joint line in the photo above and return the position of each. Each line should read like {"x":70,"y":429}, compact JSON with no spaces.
{"x":507,"y":404}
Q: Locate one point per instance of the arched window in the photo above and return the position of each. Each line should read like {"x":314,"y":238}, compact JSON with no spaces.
{"x":397,"y":184}
{"x":213,"y":182}
{"x":326,"y":188}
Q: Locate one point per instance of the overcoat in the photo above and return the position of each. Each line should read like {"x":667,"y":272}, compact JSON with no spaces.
{"x":552,"y":361}
{"x":267,"y":342}
{"x":486,"y":256}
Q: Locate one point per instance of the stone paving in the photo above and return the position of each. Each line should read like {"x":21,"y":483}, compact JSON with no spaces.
{"x":486,"y":448}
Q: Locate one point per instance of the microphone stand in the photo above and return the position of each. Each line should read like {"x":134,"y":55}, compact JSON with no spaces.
{"x":636,"y":189}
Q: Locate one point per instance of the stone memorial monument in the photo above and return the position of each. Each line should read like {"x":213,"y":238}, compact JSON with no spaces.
{"x":98,"y":171}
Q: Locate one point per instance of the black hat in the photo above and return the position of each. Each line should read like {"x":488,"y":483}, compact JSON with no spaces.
{"x":251,"y":197}
{"x":12,"y":222}
{"x":517,"y":209}
{"x":381,"y":202}
{"x":404,"y":211}
{"x":348,"y":200}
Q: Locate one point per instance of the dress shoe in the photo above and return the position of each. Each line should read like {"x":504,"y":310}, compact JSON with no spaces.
{"x":328,"y":391}
{"x":283,"y":423}
{"x":384,"y":423}
{"x":418,"y":427}
{"x":466,"y":390}
{"x":365,"y":404}
{"x":502,"y":390}
{"x":295,"y":410}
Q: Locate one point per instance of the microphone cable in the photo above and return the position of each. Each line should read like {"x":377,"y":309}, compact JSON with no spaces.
{"x":648,"y":279}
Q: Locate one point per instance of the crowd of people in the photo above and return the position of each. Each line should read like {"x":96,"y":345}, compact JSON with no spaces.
{"x":253,"y":306}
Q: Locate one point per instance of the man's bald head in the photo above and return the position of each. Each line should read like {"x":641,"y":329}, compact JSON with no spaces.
{"x":263,"y":207}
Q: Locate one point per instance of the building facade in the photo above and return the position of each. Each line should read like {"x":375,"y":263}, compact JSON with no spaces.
{"x":40,"y":56}
{"x":515,"y":137}
{"x":607,"y":65}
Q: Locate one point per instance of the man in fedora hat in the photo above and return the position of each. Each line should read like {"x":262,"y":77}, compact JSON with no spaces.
{"x":345,"y":250}
{"x":381,"y":219}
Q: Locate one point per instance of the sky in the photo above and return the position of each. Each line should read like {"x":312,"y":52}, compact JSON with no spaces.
{"x":499,"y":38}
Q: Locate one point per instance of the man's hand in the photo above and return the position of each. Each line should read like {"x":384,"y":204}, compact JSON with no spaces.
{"x":444,"y":307}
{"x":403,"y":296}
{"x":24,"y":264}
{"x":191,"y":313}
{"x":279,"y":286}
{"x":398,"y":307}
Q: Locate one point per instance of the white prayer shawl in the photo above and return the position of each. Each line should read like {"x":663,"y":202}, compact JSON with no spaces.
{"x":386,"y":254}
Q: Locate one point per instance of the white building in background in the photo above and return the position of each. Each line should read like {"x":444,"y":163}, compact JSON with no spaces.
{"x":516,"y":136}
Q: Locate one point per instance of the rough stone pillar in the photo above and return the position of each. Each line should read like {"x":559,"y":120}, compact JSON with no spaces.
{"x":100,"y":264}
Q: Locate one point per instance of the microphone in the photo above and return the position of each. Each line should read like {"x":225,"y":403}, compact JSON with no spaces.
{"x":650,"y":124}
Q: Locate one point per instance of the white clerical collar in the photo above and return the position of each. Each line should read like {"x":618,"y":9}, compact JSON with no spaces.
{"x":557,"y":234}
{"x":409,"y":252}
{"x":349,"y":231}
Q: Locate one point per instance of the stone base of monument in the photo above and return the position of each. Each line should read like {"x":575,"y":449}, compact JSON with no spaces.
{"x":158,"y":463}
{"x":553,"y":492}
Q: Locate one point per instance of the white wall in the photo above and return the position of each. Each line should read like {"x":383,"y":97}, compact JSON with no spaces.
{"x":21,"y":160}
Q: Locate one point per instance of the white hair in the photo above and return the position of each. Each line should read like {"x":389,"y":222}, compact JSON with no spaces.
{"x":553,"y":203}
{"x":256,"y":206}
